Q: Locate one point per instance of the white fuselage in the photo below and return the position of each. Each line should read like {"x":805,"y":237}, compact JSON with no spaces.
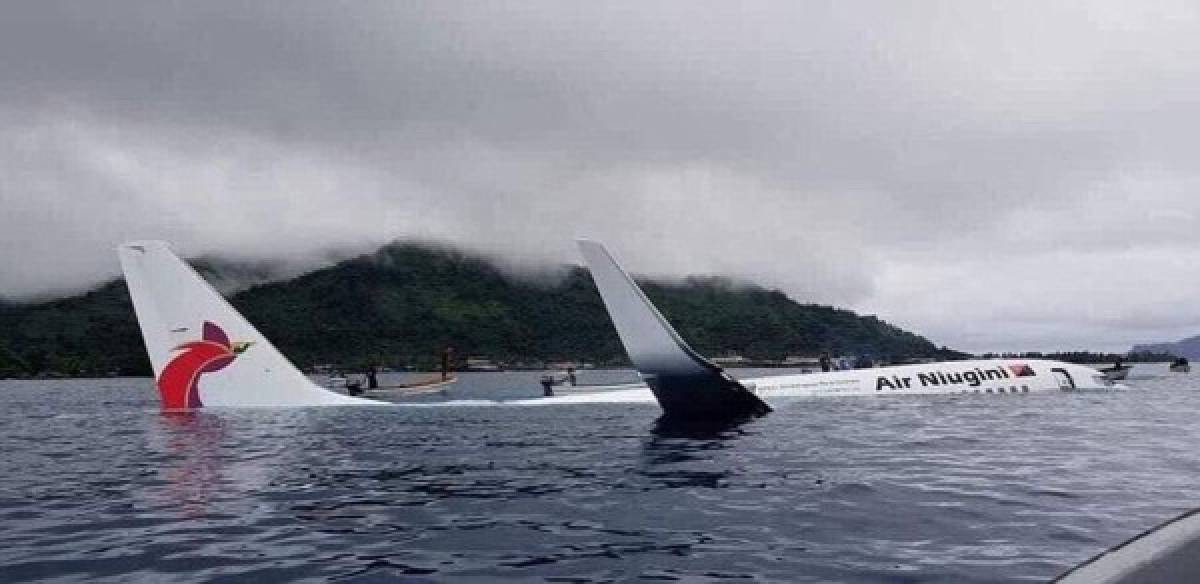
{"x":946,"y":377}
{"x":979,"y":376}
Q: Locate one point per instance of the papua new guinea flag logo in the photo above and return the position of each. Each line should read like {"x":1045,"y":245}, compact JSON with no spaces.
{"x":1021,"y":370}
{"x":178,"y":384}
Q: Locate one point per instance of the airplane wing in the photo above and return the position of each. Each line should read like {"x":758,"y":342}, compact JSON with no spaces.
{"x":686,"y":385}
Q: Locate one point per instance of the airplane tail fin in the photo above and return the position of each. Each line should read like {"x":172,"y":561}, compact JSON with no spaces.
{"x":203,"y":352}
{"x":687,"y":385}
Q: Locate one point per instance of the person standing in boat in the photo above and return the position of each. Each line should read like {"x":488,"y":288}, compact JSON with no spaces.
{"x":447,"y":356}
{"x":372,"y":380}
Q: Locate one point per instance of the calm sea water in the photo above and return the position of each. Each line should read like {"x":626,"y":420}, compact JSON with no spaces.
{"x":96,"y":484}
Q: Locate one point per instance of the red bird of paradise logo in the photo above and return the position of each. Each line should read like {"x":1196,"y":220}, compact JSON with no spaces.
{"x":178,"y":384}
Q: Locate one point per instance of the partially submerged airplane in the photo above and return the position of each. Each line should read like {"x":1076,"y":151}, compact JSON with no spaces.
{"x":193,"y":334}
{"x":688,"y":386}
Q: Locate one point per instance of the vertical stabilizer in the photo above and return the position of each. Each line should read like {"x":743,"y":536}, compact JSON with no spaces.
{"x":686,"y":384}
{"x":203,"y":352}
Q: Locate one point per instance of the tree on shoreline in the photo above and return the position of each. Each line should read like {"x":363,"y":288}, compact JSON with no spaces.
{"x":1086,"y":357}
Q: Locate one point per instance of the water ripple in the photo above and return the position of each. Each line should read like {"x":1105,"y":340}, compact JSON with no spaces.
{"x":99,"y":486}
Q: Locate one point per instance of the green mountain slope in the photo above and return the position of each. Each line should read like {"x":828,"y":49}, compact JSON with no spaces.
{"x":407,"y":301}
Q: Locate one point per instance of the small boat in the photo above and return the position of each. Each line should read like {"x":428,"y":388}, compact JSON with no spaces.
{"x":597,"y":387}
{"x":1166,"y":553}
{"x":568,"y":384}
{"x":482,"y":364}
{"x":1180,"y":365}
{"x":432,"y":385}
{"x":360,"y":386}
{"x":1117,"y":372}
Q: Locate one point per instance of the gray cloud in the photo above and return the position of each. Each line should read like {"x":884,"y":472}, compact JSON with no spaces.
{"x":997,"y":178}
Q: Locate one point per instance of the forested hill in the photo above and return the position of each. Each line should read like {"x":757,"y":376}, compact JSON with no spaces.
{"x":402,"y":304}
{"x":1189,"y":347}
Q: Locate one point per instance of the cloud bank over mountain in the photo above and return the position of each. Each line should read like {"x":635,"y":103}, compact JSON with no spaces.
{"x":1014,"y":177}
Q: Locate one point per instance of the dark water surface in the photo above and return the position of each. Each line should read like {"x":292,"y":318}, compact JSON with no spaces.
{"x":97,"y":484}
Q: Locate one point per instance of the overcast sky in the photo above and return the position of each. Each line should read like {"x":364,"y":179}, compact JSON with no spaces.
{"x":995,"y":177}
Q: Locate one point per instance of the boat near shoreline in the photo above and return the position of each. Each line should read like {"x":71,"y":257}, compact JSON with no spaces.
{"x":432,"y":383}
{"x":1117,"y":372}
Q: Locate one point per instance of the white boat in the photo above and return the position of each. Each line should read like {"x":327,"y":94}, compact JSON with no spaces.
{"x":689,"y":387}
{"x":1180,"y":365}
{"x":433,"y":384}
{"x":1168,"y":553}
{"x":1117,"y":372}
{"x":360,"y":385}
{"x":481,"y":365}
{"x":591,"y":388}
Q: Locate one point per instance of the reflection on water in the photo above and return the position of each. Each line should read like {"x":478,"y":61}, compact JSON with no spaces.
{"x":99,"y":485}
{"x":688,"y":457}
{"x":699,"y":430}
{"x":193,"y":465}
